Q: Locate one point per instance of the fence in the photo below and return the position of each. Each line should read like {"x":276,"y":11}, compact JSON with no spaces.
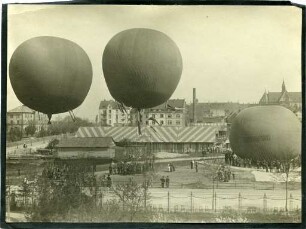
{"x":186,"y":200}
{"x":214,"y":202}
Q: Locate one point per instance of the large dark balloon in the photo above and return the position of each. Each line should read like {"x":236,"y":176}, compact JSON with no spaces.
{"x":142,"y":67}
{"x":50,"y":74}
{"x":266,"y":133}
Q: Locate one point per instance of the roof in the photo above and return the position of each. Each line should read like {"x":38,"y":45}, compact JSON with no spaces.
{"x":273,"y":97}
{"x":86,"y":142}
{"x":21,"y":109}
{"x":152,"y":134}
{"x":175,"y":103}
{"x":104,"y":104}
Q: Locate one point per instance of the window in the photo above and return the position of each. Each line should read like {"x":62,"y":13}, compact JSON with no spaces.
{"x":17,"y":121}
{"x":178,"y":123}
{"x":169,"y":122}
{"x":161,"y":115}
{"x":153,"y":115}
{"x":178,"y":115}
{"x":162,"y":122}
{"x":169,"y":115}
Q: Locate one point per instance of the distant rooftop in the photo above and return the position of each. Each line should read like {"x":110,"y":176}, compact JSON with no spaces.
{"x":21,"y":109}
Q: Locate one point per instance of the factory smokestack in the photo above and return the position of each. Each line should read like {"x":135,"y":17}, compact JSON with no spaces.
{"x":194,"y":106}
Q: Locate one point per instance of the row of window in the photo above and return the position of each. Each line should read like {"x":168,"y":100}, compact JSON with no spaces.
{"x":20,"y":116}
{"x":169,"y":122}
{"x":162,"y":115}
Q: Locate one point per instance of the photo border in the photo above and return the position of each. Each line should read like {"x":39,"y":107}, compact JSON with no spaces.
{"x":4,"y":40}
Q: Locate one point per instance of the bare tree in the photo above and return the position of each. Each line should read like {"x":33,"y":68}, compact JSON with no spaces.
{"x":132,"y":197}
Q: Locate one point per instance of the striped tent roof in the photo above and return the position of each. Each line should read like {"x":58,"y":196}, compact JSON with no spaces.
{"x":152,"y":134}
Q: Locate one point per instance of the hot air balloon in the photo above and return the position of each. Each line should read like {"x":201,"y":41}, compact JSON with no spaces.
{"x":50,"y":74}
{"x":142,"y":67}
{"x":266,"y":133}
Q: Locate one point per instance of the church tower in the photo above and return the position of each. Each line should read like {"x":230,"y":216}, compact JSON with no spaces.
{"x":283,"y":87}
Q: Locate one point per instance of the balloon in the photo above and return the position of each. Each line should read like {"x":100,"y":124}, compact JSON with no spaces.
{"x":142,"y":67}
{"x":266,"y":133}
{"x":50,"y":74}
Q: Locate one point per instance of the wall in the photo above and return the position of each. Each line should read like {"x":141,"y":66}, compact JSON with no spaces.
{"x":84,"y":153}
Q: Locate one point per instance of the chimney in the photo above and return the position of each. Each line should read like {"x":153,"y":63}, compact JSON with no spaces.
{"x":194,"y":106}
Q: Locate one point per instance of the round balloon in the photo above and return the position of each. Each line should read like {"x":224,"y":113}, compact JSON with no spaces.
{"x":142,"y":67}
{"x":50,"y":74}
{"x":266,"y":133}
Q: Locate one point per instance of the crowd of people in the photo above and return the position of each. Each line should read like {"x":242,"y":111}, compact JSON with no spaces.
{"x":269,"y":166}
{"x":130,"y":167}
{"x":224,"y":174}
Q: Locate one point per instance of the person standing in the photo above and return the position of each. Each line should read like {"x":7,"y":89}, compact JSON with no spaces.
{"x":162,"y":182}
{"x":196,"y":166}
{"x":191,"y":164}
{"x":167,"y":181}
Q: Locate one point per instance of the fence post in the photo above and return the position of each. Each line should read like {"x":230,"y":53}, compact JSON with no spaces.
{"x":191,"y":207}
{"x":290,"y":202}
{"x":265,"y":202}
{"x":168,"y":202}
{"x":101,"y":198}
{"x":239,"y":201}
{"x":215,"y":202}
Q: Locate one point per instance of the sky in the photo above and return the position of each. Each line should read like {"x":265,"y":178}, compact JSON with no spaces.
{"x":230,"y":53}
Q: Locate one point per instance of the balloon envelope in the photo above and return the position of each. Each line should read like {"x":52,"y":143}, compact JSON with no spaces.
{"x":50,"y":74}
{"x":142,"y":67}
{"x":266,"y":133}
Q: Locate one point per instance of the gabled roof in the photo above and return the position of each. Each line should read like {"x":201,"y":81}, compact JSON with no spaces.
{"x":273,"y":97}
{"x":104,"y":104}
{"x":86,"y":142}
{"x":21,"y":109}
{"x":175,"y":103}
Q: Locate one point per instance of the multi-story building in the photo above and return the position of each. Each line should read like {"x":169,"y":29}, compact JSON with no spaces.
{"x":291,"y":100}
{"x":22,"y":116}
{"x":170,"y":113}
{"x":111,"y":115}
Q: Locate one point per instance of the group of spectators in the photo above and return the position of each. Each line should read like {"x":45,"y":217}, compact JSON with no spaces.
{"x":224,"y":174}
{"x":130,"y":168}
{"x":269,"y":166}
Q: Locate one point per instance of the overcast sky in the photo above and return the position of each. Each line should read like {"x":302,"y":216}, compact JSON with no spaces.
{"x":230,"y":53}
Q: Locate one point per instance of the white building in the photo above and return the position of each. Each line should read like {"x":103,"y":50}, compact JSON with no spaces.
{"x":171,"y":113}
{"x":22,"y":116}
{"x":111,"y":115}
